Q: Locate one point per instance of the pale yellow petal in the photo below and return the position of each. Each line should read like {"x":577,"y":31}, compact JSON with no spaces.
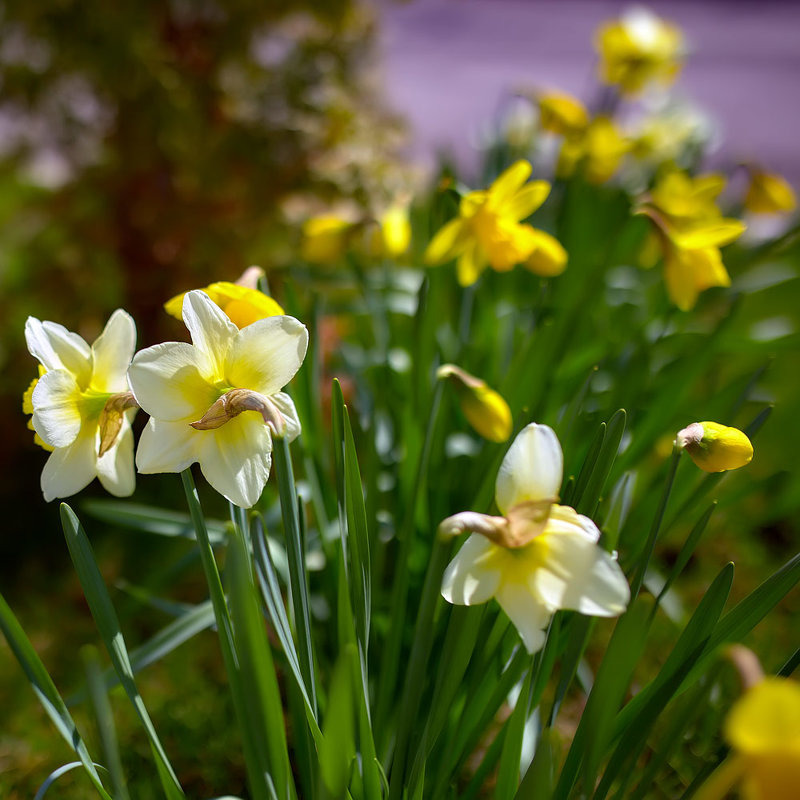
{"x":72,"y":468}
{"x":57,"y":348}
{"x":532,"y":468}
{"x":112,"y":352}
{"x":115,"y":467}
{"x":266,"y":355}
{"x":528,"y":614}
{"x":470,"y":578}
{"x":57,"y":404}
{"x":167,"y":446}
{"x":211,"y":331}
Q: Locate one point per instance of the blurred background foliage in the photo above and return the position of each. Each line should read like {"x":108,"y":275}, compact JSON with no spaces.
{"x":151,"y":147}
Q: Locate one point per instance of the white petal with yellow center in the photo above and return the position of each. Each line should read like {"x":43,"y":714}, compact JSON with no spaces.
{"x":211,"y":331}
{"x":471,"y":578}
{"x":529,"y":616}
{"x":70,"y":469}
{"x":266,"y":355}
{"x":166,"y":446}
{"x":57,"y":348}
{"x":531,"y":470}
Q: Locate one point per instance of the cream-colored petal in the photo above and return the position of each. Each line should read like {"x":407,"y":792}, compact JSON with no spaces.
{"x":580,"y":575}
{"x":167,"y":446}
{"x":266,"y":355}
{"x":528,"y":614}
{"x":448,"y":243}
{"x":70,"y":469}
{"x":509,"y":181}
{"x":168,"y":382}
{"x":468,"y":580}
{"x":112,"y":353}
{"x":211,"y":331}
{"x":57,"y":408}
{"x":57,"y":348}
{"x":235,"y":459}
{"x":115,"y":467}
{"x":525,"y":201}
{"x":471,"y":263}
{"x":285,"y":405}
{"x":531,"y":470}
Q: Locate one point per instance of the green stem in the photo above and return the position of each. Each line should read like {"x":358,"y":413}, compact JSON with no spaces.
{"x":295,"y":552}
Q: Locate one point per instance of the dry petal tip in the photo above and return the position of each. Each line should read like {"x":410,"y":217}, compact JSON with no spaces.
{"x":233,"y":403}
{"x":111,"y":417}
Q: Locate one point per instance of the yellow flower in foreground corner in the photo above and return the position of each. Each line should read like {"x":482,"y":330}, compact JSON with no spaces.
{"x":637,"y":49}
{"x":81,"y":406}
{"x":539,"y":557}
{"x":488,"y":231}
{"x":763,"y":728}
{"x":484,"y":408}
{"x":243,"y":305}
{"x":714,"y":447}
{"x":217,"y":401}
{"x":769,"y":193}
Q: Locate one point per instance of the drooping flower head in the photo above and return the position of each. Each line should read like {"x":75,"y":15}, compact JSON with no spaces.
{"x":637,"y":49}
{"x":489,"y":231}
{"x":690,"y":230}
{"x":217,"y":401}
{"x":241,"y":304}
{"x":81,"y":406}
{"x":539,"y":556}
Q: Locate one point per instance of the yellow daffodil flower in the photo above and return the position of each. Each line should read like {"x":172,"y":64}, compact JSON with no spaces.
{"x":242,"y":304}
{"x":325,"y":239}
{"x":81,"y":406}
{"x":691,"y":230}
{"x":763,"y":728}
{"x":217,"y":401}
{"x":561,"y":113}
{"x":539,"y":556}
{"x":714,"y":447}
{"x":391,"y":237}
{"x":484,"y":408}
{"x":637,"y":49}
{"x":488,"y":231}
{"x":598,"y":150}
{"x":769,"y":193}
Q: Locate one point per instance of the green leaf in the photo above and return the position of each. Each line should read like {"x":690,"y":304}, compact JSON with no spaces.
{"x":539,"y":779}
{"x":105,"y":618}
{"x":46,"y":691}
{"x":56,"y":774}
{"x":587,"y":499}
{"x":510,"y":756}
{"x":338,"y":748}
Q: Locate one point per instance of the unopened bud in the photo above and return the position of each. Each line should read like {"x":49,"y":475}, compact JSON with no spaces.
{"x":714,"y":447}
{"x":233,"y":403}
{"x":484,"y":408}
{"x":111,"y":417}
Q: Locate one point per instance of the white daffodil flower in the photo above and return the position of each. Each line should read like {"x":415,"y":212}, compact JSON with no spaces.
{"x":217,"y":401}
{"x":538,"y":557}
{"x":82,"y":407}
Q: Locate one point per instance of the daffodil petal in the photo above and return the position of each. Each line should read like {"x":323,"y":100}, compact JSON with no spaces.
{"x":531,"y":470}
{"x":549,"y":258}
{"x":679,"y":277}
{"x":115,"y":467}
{"x":708,"y":268}
{"x":167,"y":446}
{"x":448,"y":243}
{"x":471,"y":263}
{"x":167,"y":383}
{"x":112,"y":352}
{"x":527,"y":613}
{"x":709,"y":234}
{"x":285,"y":405}
{"x":56,"y":408}
{"x":266,"y":355}
{"x":235,"y":459}
{"x":580,"y":575}
{"x":509,"y":181}
{"x":57,"y":348}
{"x":211,"y":330}
{"x":526,"y":200}
{"x":70,"y":469}
{"x":468,"y":580}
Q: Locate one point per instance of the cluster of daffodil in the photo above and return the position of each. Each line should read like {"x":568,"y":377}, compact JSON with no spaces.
{"x":83,"y":403}
{"x":432,"y":582}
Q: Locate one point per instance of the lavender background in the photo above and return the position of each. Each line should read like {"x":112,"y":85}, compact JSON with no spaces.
{"x":449,"y":63}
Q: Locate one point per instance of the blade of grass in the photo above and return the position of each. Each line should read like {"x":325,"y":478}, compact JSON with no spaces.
{"x":105,"y":618}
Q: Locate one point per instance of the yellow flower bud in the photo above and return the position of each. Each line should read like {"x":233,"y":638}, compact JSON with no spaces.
{"x":484,"y":408}
{"x":714,"y":447}
{"x":324,"y":239}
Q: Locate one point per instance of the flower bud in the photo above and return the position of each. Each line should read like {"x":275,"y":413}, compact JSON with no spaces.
{"x":486,"y":411}
{"x":714,"y":447}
